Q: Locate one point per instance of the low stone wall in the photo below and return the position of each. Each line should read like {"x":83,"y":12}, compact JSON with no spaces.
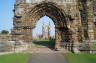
{"x":13,"y":46}
{"x":85,"y":46}
{"x":3,"y":53}
{"x":6,"y":37}
{"x":6,"y":46}
{"x":88,"y":46}
{"x":21,"y":47}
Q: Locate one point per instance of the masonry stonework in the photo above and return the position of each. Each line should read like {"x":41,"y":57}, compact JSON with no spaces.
{"x":73,"y":21}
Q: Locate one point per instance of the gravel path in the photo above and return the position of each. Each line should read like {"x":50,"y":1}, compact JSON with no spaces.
{"x":47,"y":58}
{"x":43,"y":54}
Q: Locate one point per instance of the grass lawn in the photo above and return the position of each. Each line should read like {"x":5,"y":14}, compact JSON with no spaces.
{"x":81,"y":58}
{"x":44,"y":42}
{"x":14,"y":58}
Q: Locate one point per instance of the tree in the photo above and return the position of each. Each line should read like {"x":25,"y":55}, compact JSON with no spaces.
{"x":4,"y":32}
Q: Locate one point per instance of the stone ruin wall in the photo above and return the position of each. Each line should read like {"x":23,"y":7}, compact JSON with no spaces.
{"x":81,"y":26}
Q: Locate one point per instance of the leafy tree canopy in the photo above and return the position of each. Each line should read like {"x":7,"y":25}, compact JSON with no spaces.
{"x":4,"y":32}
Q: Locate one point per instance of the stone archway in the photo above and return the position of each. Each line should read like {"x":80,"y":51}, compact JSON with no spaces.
{"x":66,"y":31}
{"x":51,"y":10}
{"x":70,"y":26}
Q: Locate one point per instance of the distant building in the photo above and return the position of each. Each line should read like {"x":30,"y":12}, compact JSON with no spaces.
{"x":46,"y":31}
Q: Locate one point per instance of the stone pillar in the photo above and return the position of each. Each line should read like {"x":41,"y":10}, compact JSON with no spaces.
{"x":90,"y":19}
{"x":77,"y":30}
{"x":28,"y":35}
{"x":57,"y":39}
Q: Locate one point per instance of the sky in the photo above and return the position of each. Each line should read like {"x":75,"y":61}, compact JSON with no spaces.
{"x":46,"y":20}
{"x":6,"y":18}
{"x":6,"y":14}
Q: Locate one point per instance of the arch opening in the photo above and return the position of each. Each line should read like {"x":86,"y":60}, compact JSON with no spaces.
{"x":59,"y":17}
{"x":44,"y":32}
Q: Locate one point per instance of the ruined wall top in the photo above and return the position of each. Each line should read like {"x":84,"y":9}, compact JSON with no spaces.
{"x":38,"y":1}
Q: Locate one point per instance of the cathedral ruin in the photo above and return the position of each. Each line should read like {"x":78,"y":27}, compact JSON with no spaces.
{"x":73,"y":19}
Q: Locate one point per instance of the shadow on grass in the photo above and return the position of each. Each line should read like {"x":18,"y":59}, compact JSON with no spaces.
{"x":50,"y":43}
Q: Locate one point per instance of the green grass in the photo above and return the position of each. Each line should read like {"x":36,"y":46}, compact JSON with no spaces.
{"x":45,"y":42}
{"x":81,"y":58}
{"x":14,"y":58}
